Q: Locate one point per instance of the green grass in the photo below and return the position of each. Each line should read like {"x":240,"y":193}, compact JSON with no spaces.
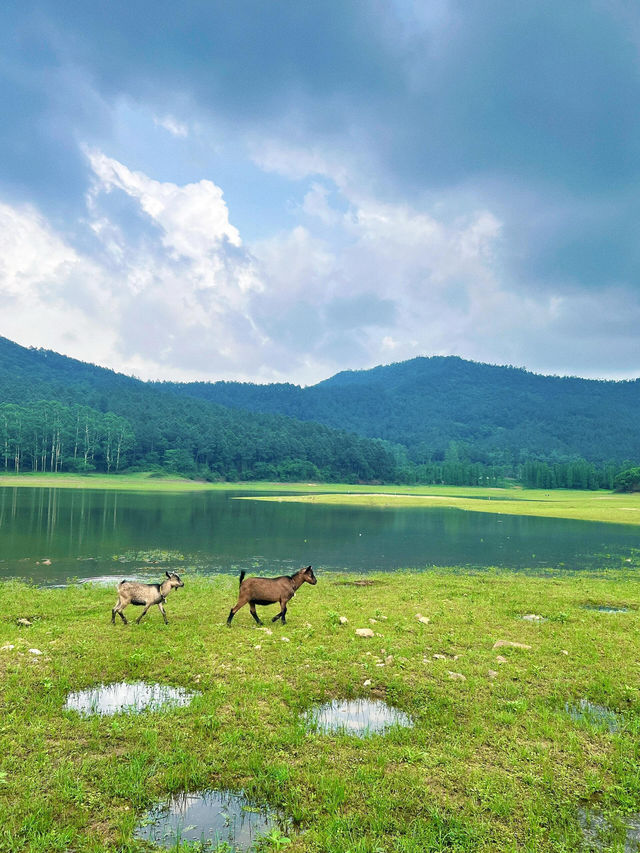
{"x":492,"y":763}
{"x":560,"y":503}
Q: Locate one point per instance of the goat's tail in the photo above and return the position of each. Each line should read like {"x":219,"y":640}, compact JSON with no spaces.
{"x":242,"y":574}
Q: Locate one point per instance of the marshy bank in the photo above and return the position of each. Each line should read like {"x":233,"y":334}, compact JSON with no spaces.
{"x":504,"y":751}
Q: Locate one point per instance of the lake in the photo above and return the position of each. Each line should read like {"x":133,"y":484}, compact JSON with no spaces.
{"x":89,"y":534}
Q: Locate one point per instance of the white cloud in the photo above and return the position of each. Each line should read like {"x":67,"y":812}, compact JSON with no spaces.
{"x":165,"y":287}
{"x":175,"y":127}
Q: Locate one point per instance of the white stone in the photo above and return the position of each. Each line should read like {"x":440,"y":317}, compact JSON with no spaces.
{"x":424,"y":619}
{"x":285,"y":639}
{"x":440,"y":657}
{"x":343,"y":620}
{"x":500,"y":643}
{"x":456,"y":676}
{"x":367,"y":683}
{"x":364,"y":632}
{"x":35,"y":651}
{"x":7,"y":647}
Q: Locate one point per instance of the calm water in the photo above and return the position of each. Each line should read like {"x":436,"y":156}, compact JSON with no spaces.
{"x":93,"y":534}
{"x":216,"y":817}
{"x":359,"y":717}
{"x":123,"y":697}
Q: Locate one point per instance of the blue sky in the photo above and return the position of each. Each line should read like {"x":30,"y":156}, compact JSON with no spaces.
{"x":278,"y":191}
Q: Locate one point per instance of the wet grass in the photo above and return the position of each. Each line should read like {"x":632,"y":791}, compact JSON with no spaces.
{"x":494,"y":762}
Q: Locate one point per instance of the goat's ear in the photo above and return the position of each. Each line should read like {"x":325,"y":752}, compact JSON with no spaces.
{"x":167,"y":574}
{"x":308,"y":569}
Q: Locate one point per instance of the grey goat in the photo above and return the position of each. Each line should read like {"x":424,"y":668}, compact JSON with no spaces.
{"x":269,"y":591}
{"x":144,"y":595}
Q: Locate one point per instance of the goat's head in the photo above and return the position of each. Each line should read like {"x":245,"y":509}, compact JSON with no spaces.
{"x":308,"y":576}
{"x":174,"y":580}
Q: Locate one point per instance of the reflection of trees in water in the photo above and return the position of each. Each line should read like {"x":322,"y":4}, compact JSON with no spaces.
{"x":215,"y":532}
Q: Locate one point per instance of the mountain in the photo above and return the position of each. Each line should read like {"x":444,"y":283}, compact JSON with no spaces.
{"x":57,"y":413}
{"x":446,"y":406}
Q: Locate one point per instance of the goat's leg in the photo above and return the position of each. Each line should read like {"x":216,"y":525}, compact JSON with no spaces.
{"x":142,"y":614}
{"x":164,"y":615}
{"x":241,"y":602}
{"x":283,"y":610}
{"x":118,"y":608}
{"x":252,"y":608}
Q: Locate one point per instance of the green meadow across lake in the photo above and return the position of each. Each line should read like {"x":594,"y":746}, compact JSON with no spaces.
{"x":511,"y":671}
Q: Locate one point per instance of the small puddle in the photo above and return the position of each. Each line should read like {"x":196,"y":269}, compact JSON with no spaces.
{"x":605,"y":608}
{"x":599,"y":833}
{"x":123,"y":697}
{"x":595,"y":715}
{"x":214,"y":818}
{"x":360,"y":717}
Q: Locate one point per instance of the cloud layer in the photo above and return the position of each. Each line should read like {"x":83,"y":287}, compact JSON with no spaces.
{"x":284,"y":191}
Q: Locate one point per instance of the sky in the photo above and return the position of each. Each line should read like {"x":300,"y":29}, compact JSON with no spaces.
{"x":277,"y":191}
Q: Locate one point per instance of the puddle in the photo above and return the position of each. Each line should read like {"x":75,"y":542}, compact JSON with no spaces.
{"x":360,"y":717}
{"x":599,"y":833}
{"x":110,"y":699}
{"x":213,"y":818}
{"x":595,"y":715}
{"x":605,"y":608}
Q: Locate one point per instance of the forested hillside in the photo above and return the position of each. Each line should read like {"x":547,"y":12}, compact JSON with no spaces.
{"x":429,"y":420}
{"x":60,"y":414}
{"x":445,"y":407}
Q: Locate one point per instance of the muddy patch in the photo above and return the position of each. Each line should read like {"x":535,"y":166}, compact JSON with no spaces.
{"x":126,"y":698}
{"x":359,"y":717}
{"x":213,"y":818}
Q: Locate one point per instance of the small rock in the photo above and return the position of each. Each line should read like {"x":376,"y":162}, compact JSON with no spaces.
{"x":285,"y":639}
{"x":440,"y":657}
{"x":308,"y":625}
{"x":373,"y":621}
{"x":35,"y":651}
{"x":266,"y":630}
{"x":424,"y":619}
{"x":7,"y":647}
{"x":455,"y":657}
{"x":564,"y":652}
{"x":25,"y":622}
{"x":456,"y":676}
{"x":258,"y":647}
{"x":501,"y":659}
{"x":343,"y":620}
{"x":500,"y":643}
{"x":492,"y":673}
{"x":533,"y":617}
{"x":367,"y":683}
{"x":388,"y":659}
{"x":46,"y":562}
{"x":364,"y":632}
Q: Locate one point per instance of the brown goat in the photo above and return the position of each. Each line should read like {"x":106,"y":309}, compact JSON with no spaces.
{"x":269,"y":591}
{"x":144,"y":595}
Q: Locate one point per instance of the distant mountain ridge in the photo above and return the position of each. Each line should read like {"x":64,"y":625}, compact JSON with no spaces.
{"x":57,"y":413}
{"x":493,"y":414}
{"x":439,"y":408}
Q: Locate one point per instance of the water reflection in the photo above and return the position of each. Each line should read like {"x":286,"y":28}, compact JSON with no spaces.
{"x":124,"y":697}
{"x":599,"y":833}
{"x":360,"y":717}
{"x":211,"y":817}
{"x":88,"y":533}
{"x":594,"y":715}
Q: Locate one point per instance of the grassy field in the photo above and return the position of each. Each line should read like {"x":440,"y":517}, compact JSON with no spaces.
{"x":560,"y":503}
{"x":494,"y":762}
